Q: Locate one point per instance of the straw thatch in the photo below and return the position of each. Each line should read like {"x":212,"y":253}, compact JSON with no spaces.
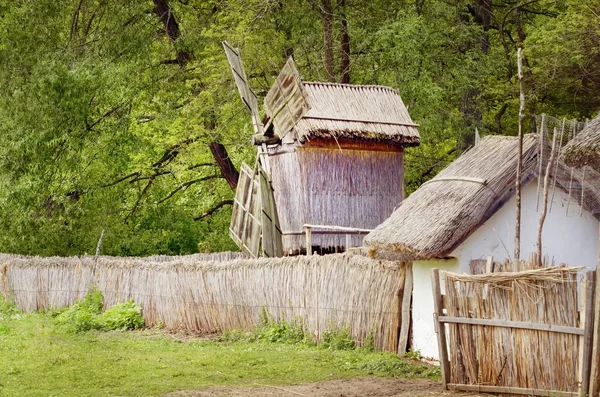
{"x":443,"y":212}
{"x":332,"y":291}
{"x":503,"y":356}
{"x":327,"y":186}
{"x":584,"y":149}
{"x":356,"y":112}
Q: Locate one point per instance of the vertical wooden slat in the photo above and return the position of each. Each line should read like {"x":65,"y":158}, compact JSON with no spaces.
{"x":595,"y":368}
{"x":440,"y":328}
{"x":405,"y":312}
{"x":585,"y":351}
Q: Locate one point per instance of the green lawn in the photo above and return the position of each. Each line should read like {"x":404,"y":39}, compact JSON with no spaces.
{"x":39,"y":359}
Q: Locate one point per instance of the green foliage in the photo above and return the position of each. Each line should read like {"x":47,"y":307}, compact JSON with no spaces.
{"x":124,"y":316}
{"x":413,"y":354}
{"x":8,"y":308}
{"x":397,"y":367}
{"x":102,"y":129}
{"x":337,"y":339}
{"x":87,"y":315}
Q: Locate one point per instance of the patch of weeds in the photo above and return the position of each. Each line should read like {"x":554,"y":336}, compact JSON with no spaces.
{"x":8,"y":308}
{"x":369,"y":343}
{"x":338,"y":339}
{"x":412,"y":354}
{"x":397,"y":367}
{"x":87,"y":315}
{"x":281,"y":331}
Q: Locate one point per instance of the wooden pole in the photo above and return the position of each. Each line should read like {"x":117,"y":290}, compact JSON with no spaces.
{"x":545,"y":199}
{"x":585,"y":353}
{"x":405,"y":309}
{"x":595,"y":367}
{"x":520,"y":157}
{"x":440,"y":328}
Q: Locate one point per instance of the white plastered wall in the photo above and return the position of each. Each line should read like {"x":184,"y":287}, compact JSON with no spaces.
{"x":424,"y":337}
{"x":569,"y":237}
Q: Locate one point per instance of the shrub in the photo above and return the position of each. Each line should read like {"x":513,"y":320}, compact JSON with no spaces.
{"x":81,"y":316}
{"x":87,"y":315}
{"x":124,"y":316}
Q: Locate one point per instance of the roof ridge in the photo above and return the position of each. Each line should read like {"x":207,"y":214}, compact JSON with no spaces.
{"x":353,"y":86}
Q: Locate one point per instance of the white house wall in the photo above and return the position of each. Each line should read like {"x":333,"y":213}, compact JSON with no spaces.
{"x":424,"y":337}
{"x":570,"y":238}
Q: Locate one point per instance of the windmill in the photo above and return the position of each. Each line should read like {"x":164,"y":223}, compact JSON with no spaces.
{"x":254,"y":222}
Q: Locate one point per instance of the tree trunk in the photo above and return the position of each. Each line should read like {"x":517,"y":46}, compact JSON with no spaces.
{"x":162,"y":8}
{"x":327,"y":16}
{"x":345,"y":55}
{"x":225,"y":164}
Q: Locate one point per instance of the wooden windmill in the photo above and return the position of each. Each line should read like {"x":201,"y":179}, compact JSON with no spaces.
{"x":330,"y":164}
{"x":254,"y":222}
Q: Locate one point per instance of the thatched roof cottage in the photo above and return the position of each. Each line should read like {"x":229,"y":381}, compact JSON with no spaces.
{"x":467,"y":212}
{"x":336,"y":158}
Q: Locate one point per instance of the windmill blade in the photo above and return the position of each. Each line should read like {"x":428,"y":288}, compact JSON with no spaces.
{"x":248,"y":96}
{"x":286,"y":101}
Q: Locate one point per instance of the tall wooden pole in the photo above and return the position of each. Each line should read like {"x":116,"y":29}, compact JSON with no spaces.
{"x":595,"y":370}
{"x":519,"y":158}
{"x":545,"y":198}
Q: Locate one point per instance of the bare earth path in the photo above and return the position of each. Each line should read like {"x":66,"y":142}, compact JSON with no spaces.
{"x":354,"y":387}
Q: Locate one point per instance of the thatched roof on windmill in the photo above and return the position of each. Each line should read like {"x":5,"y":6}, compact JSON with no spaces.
{"x":304,"y":111}
{"x":444,"y":211}
{"x":344,"y":111}
{"x":584,"y":149}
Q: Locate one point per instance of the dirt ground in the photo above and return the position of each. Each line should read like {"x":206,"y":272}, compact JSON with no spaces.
{"x":354,"y":387}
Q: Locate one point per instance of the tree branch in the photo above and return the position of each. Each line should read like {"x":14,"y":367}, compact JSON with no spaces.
{"x":213,"y":209}
{"x":184,"y":186}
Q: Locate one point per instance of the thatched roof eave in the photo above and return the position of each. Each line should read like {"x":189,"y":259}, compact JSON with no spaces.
{"x":584,"y":149}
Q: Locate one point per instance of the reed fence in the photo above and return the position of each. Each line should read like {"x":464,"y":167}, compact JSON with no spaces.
{"x":515,"y":332}
{"x":198,"y":295}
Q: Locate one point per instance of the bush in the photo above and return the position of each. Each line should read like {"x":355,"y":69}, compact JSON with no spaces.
{"x":81,"y":316}
{"x":124,"y":316}
{"x":87,"y":315}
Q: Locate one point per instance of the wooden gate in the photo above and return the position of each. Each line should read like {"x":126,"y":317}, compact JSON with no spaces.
{"x":527,"y":333}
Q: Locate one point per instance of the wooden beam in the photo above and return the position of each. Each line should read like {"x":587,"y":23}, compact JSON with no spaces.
{"x":440,"y":328}
{"x":512,"y":324}
{"x":457,"y":179}
{"x":342,"y":228}
{"x":512,"y":390}
{"x":585,"y":352}
{"x":595,"y":366}
{"x":405,"y":308}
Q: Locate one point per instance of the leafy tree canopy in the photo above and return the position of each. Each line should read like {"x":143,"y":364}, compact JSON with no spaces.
{"x":114,"y":114}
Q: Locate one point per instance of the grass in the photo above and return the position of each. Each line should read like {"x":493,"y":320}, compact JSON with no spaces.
{"x":39,"y":358}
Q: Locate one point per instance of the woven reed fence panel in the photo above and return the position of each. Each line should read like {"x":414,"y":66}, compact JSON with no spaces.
{"x":502,"y":356}
{"x":332,"y":291}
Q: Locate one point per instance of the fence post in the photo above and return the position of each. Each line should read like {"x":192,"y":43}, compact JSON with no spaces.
{"x":308,"y":231}
{"x":440,"y":328}
{"x":585,"y":352}
{"x":405,"y":308}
